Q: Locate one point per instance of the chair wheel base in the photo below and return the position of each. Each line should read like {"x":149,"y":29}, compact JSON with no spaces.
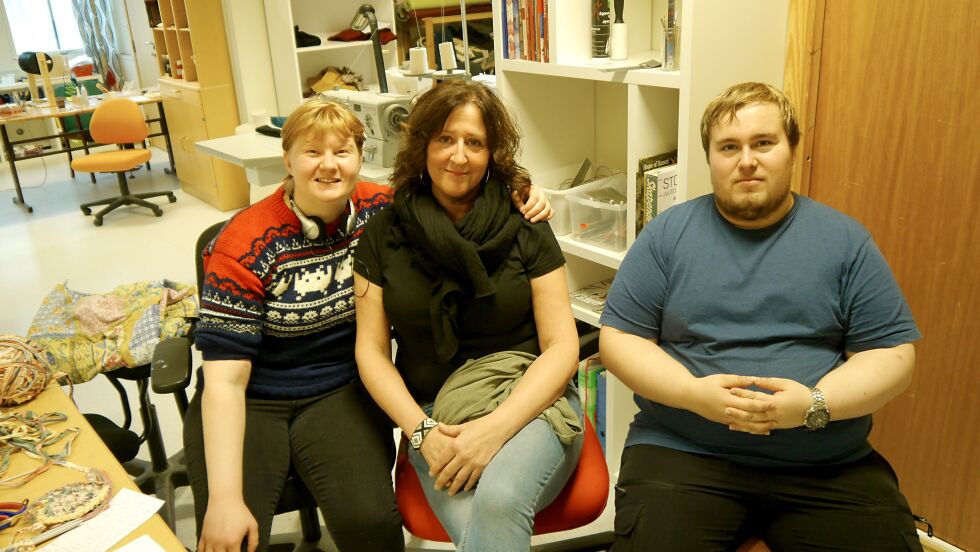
{"x":158,"y":212}
{"x":172,"y":198}
{"x":97,"y":221}
{"x":86,"y":211}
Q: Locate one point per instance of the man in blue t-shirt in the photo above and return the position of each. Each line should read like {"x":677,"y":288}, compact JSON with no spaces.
{"x":759,"y":330}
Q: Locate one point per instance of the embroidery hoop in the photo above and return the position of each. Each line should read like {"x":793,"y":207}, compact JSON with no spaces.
{"x":80,"y":500}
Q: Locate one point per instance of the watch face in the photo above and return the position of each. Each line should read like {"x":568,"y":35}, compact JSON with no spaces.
{"x":817,"y":419}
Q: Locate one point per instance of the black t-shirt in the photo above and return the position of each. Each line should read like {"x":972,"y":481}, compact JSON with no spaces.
{"x":501,"y":322}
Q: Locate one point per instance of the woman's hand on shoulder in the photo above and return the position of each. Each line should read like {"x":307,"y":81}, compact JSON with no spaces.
{"x":475,"y":443}
{"x":226,"y":525}
{"x":535,"y":207}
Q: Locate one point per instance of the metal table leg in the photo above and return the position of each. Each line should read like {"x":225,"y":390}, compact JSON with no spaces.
{"x":8,"y":150}
{"x":166,"y":137}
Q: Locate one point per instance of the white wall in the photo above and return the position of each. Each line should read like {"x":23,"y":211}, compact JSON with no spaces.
{"x":248,"y":49}
{"x":8,"y":55}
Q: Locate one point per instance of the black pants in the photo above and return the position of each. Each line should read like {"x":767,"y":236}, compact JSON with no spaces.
{"x":341,"y":446}
{"x":672,"y":500}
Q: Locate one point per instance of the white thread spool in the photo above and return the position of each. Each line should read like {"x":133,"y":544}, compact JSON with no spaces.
{"x":418,"y":63}
{"x":258,"y":117}
{"x":447,"y":54}
{"x":617,"y":42}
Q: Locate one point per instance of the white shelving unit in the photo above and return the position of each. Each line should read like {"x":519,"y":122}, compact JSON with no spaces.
{"x":293,"y":66}
{"x":573,"y":110}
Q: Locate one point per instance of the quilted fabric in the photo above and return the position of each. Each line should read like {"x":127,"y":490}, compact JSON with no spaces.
{"x":83,"y":334}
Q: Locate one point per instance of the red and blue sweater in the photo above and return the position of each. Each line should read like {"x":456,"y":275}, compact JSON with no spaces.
{"x":283,"y":301}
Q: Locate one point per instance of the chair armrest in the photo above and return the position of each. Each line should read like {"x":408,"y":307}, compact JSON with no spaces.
{"x":171,"y":365}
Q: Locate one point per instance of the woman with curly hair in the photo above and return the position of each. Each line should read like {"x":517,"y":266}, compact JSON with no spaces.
{"x":477,"y":302}
{"x":280,"y":386}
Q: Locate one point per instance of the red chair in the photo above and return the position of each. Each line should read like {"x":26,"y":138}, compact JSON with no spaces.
{"x":581,"y":501}
{"x":753,"y":544}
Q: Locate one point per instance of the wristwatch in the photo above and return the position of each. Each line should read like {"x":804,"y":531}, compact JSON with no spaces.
{"x":423,"y":429}
{"x":818,"y":415}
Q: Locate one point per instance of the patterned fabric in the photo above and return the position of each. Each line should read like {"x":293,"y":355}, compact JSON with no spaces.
{"x":83,"y":334}
{"x":284,"y":301}
{"x":95,"y":25}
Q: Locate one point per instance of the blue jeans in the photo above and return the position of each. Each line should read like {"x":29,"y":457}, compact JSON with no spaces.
{"x":525,"y":475}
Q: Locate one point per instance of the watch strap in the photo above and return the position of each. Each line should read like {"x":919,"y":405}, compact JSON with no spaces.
{"x":811,"y":418}
{"x":818,"y":397}
{"x":423,"y":429}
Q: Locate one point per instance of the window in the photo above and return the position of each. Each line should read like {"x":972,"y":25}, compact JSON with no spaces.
{"x":43,"y":25}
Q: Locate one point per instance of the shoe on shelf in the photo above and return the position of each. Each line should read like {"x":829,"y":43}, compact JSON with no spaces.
{"x":304,"y":40}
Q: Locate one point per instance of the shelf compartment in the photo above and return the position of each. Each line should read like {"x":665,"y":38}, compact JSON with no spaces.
{"x":600,"y":255}
{"x":173,"y":51}
{"x":180,"y":14}
{"x":166,"y":12}
{"x":161,"y":47}
{"x":338,"y":44}
{"x":646,"y":77}
{"x":186,"y":55}
{"x":585,"y":315}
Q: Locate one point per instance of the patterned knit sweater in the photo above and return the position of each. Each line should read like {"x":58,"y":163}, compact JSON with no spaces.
{"x":283,"y":301}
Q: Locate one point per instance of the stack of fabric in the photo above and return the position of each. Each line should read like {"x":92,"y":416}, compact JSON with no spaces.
{"x":83,"y":334}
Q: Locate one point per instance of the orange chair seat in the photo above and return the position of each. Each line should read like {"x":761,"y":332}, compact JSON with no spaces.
{"x":112,"y":161}
{"x":581,"y":501}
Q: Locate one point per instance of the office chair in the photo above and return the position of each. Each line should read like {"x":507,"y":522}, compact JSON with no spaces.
{"x":171,"y":374}
{"x":76,"y":126}
{"x":161,"y":475}
{"x":581,"y":501}
{"x":118,"y":121}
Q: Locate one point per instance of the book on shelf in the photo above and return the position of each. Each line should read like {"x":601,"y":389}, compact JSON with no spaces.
{"x":504,"y":30}
{"x":525,"y":29}
{"x":647,"y":197}
{"x":601,"y":19}
{"x":659,"y":191}
{"x":590,"y":372}
{"x":592,"y":297}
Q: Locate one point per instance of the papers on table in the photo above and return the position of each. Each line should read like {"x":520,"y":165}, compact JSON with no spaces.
{"x":127,"y":511}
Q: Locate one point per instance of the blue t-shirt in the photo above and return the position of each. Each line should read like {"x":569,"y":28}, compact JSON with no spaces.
{"x":784,"y":301}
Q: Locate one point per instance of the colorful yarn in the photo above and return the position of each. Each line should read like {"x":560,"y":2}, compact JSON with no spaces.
{"x":24,"y":372}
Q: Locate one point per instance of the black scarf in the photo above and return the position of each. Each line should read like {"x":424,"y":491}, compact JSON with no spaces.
{"x":460,"y":257}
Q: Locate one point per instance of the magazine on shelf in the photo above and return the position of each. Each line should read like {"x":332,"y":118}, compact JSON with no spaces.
{"x":592,"y":297}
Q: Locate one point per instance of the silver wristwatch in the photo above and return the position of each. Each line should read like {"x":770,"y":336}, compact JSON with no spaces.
{"x":818,"y":415}
{"x":423,"y":429}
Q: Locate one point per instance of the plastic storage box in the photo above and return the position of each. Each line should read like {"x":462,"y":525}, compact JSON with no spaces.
{"x":561,"y":222}
{"x":598,"y":213}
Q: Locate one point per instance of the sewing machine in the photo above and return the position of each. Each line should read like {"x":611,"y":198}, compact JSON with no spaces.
{"x":382,"y":116}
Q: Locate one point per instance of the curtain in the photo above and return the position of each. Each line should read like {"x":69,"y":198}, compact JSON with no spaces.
{"x":96,"y":26}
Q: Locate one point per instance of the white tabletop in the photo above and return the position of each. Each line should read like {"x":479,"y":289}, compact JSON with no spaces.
{"x":263,"y":154}
{"x":249,"y":150}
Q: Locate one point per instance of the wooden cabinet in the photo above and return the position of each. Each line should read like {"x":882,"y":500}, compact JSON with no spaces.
{"x":198,"y":95}
{"x":294,"y":66}
{"x":196,"y":114}
{"x":570,"y":110}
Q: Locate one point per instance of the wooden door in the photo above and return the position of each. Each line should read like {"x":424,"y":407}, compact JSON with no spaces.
{"x":895,"y":144}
